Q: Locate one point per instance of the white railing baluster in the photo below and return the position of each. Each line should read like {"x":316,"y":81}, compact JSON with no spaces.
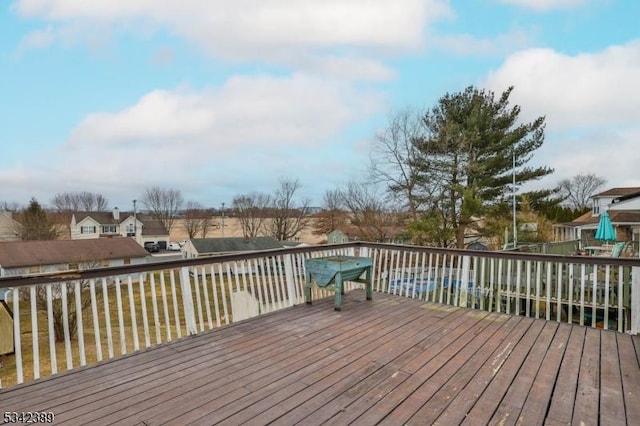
{"x":132,"y":313}
{"x":570,"y":294}
{"x":517,"y":308}
{"x":214,"y":290}
{"x":509,"y":289}
{"x":79,"y":323}
{"x":143,"y":306}
{"x":107,"y":317}
{"x":196,"y":285}
{"x":261,"y":301}
{"x":422,"y":282}
{"x":583,"y":285}
{"x":635,"y":300}
{"x":538,"y":287}
{"x":549,"y":284}
{"x":65,"y":325}
{"x":207,"y":303}
{"x":223,"y":293}
{"x":290,"y":280}
{"x":176,"y":309}
{"x":154,"y":307}
{"x":52,"y":336}
{"x":450,"y":284}
{"x":620,"y":298}
{"x":165,"y":306}
{"x":187,"y":301}
{"x":96,"y":322}
{"x":594,"y":296}
{"x":17,"y":343}
{"x":485,"y":290}
{"x":559,"y":291}
{"x":607,"y":275}
{"x":528,"y":305}
{"x":229,"y":281}
{"x":34,"y":332}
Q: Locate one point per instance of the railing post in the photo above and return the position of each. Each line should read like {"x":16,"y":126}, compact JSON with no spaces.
{"x":463,"y":288}
{"x":187,"y":301}
{"x":635,"y":300}
{"x":290,"y":279}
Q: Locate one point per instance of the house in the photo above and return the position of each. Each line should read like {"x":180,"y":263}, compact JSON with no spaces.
{"x":9,"y":227}
{"x":338,"y":236}
{"x":34,"y":257}
{"x":91,"y":225}
{"x":623,"y":207}
{"x":198,"y":247}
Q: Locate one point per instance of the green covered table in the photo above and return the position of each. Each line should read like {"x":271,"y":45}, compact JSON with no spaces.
{"x":325,"y":271}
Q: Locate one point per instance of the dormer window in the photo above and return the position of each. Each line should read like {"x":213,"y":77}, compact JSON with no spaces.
{"x":109,"y":229}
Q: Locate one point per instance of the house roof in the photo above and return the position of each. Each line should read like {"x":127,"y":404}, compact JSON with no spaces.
{"x":15,"y":254}
{"x":153,"y":227}
{"x":228,"y":245}
{"x":618,"y":192}
{"x":617,"y":216}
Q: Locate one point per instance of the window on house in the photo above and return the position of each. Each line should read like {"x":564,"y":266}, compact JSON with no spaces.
{"x":127,"y":261}
{"x":87,"y":229}
{"x":130,"y":228}
{"x":73,"y":267}
{"x":34,"y":269}
{"x":109,"y":229}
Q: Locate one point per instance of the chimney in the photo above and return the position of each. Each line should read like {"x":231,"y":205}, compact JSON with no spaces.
{"x":116,"y":214}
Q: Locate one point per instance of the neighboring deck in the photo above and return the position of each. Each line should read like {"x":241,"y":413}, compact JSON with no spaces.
{"x":390,"y":361}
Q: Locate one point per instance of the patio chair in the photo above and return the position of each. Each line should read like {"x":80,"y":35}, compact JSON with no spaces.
{"x":617,"y":249}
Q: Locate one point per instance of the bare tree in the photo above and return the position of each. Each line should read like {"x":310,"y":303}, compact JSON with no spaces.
{"x":367,"y":212}
{"x":288,"y":218}
{"x":91,"y":202}
{"x":332,"y":215}
{"x":196,"y":219}
{"x":12,"y":206}
{"x":251,"y":210}
{"x":392,"y":159}
{"x":164,"y":204}
{"x":577,"y":190}
{"x":70,"y":202}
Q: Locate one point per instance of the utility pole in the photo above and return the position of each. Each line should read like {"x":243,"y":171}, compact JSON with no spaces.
{"x":135,"y":222}
{"x":515,"y":230}
{"x":222,"y":219}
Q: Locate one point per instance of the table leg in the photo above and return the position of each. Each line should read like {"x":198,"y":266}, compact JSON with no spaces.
{"x":369,"y":284}
{"x":338,"y":297}
{"x":307,"y":289}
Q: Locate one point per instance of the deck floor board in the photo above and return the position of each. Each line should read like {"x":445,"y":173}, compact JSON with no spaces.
{"x":388,"y":361}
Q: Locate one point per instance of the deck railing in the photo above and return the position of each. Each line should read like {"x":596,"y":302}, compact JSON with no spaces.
{"x":71,"y":319}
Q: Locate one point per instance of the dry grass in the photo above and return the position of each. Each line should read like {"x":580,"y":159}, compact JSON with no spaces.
{"x":131,"y":301}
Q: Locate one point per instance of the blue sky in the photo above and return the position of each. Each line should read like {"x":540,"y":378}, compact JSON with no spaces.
{"x":219,"y":98}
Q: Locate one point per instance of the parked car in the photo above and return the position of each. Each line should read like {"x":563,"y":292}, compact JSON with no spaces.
{"x":173,"y":246}
{"x":152,"y":247}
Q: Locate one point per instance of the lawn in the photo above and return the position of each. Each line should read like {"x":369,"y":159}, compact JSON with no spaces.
{"x":165,"y":321}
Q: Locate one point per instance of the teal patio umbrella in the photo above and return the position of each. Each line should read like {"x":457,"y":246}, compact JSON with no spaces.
{"x":605,"y":231}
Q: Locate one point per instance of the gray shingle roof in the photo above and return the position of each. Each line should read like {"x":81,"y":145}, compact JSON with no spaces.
{"x":229,"y":245}
{"x":15,"y":254}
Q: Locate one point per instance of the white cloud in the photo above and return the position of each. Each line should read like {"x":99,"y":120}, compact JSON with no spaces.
{"x":588,"y":89}
{"x":250,"y":130}
{"x":591,"y":102}
{"x":545,"y":5}
{"x":249,"y":29}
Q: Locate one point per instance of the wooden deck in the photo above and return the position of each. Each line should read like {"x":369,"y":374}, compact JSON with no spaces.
{"x":388,"y":361}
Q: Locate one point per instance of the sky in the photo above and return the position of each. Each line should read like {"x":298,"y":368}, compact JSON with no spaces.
{"x":221,"y":98}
